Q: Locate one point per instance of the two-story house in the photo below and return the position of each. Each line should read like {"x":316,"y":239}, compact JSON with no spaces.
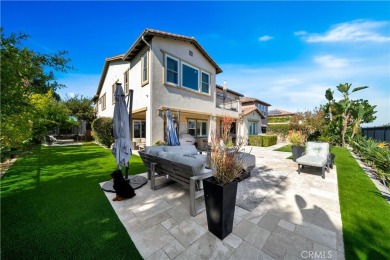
{"x":255,"y":114}
{"x":169,"y":71}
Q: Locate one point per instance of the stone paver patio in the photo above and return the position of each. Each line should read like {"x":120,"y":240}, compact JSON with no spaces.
{"x":299,"y":219}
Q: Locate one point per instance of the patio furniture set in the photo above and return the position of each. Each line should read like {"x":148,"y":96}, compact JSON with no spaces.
{"x":186,"y":165}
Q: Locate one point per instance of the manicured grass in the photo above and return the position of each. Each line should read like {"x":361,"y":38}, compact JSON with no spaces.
{"x":286,"y":148}
{"x":53,"y":207}
{"x":364,"y":212}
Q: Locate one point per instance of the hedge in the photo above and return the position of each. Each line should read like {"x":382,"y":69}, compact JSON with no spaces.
{"x":281,"y":130}
{"x":282,"y":119}
{"x":262,"y":140}
{"x":102,"y":128}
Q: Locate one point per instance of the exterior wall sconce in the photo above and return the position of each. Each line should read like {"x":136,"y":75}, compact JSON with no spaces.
{"x":160,"y":112}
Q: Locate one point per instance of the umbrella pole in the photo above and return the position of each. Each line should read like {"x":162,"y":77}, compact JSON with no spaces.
{"x":130,"y":105}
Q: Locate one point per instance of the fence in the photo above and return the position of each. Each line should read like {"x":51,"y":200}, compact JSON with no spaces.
{"x":379,"y":133}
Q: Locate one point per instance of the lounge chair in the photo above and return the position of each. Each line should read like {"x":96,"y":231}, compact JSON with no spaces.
{"x":316,"y":155}
{"x":60,"y":141}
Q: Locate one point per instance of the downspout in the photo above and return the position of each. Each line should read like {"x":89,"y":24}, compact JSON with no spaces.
{"x":150,"y":111}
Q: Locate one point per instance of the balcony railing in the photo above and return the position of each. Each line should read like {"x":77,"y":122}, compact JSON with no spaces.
{"x":227,"y":103}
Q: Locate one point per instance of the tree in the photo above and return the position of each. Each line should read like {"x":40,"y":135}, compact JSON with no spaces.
{"x":310,"y":123}
{"x":48,"y":114}
{"x":345,"y":116}
{"x":24,"y":73}
{"x":81,"y":107}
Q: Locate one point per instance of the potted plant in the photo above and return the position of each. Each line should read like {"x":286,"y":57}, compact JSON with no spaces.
{"x":220,"y":190}
{"x":297,"y":140}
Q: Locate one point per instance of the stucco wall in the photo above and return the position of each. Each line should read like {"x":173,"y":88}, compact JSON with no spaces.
{"x":114,"y":73}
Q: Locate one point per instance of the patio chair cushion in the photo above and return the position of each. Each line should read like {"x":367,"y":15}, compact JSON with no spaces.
{"x":310,"y":160}
{"x":196,"y":165}
{"x":166,"y":155}
{"x":173,"y":149}
{"x":248,"y":161}
{"x":189,"y":149}
{"x":317,"y":149}
{"x":154,"y":150}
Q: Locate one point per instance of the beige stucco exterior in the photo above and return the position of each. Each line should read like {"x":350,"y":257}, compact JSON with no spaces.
{"x":151,"y":100}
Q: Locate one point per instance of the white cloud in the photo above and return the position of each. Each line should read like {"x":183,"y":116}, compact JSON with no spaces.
{"x":297,"y":86}
{"x":354,"y":31}
{"x":265,"y":38}
{"x":329,"y":61}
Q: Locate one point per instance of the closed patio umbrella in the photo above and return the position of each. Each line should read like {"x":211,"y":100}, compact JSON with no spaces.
{"x":171,"y":132}
{"x":121,"y":149}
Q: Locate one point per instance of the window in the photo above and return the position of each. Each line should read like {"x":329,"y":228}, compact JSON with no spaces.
{"x":201,"y":127}
{"x":205,"y":82}
{"x":190,"y":77}
{"x":197,"y":128}
{"x":139,"y":129}
{"x":182,"y":74}
{"x":192,"y":127}
{"x":172,"y":70}
{"x":144,"y":72}
{"x":126,"y":82}
{"x":113,"y":87}
{"x":252,"y":128}
{"x":102,"y":102}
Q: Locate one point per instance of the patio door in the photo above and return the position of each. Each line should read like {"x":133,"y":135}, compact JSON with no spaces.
{"x":139,"y":129}
{"x":252,"y":128}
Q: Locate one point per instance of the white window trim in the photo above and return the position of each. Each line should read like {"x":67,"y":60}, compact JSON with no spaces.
{"x":201,"y":82}
{"x":181,"y":69}
{"x":144,"y":82}
{"x":166,"y":70}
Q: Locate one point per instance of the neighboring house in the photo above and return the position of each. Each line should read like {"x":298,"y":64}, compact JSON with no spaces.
{"x":255,"y":114}
{"x":278,"y":116}
{"x":169,"y":71}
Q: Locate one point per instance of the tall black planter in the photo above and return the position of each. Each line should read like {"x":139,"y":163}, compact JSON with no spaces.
{"x":220,"y":203}
{"x":297,"y":151}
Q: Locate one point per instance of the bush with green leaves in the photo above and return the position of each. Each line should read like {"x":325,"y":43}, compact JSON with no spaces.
{"x":373,"y":153}
{"x":281,"y":130}
{"x":279,"y":119}
{"x":262,"y":140}
{"x":102,"y":128}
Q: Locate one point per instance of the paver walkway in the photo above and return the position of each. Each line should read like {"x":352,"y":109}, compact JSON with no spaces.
{"x":299,"y":219}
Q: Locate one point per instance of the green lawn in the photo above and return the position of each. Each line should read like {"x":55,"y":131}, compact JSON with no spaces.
{"x":52,"y":206}
{"x":364,"y":212}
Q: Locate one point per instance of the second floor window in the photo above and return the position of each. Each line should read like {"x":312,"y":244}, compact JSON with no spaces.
{"x":126,"y":82}
{"x":190,"y":77}
{"x":102,"y":102}
{"x":172,"y":71}
{"x":182,"y":74}
{"x":113,"y":93}
{"x":145,"y":66}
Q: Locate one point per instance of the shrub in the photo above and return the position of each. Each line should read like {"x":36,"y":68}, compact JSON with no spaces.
{"x":269,"y":140}
{"x":281,"y":130}
{"x":279,"y":119}
{"x":296,"y":138}
{"x":5,"y":153}
{"x":263,"y":140}
{"x":102,"y":129}
{"x":159,"y":143}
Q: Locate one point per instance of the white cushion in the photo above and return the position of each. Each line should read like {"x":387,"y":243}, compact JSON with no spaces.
{"x":189,"y":149}
{"x":316,"y":161}
{"x":173,"y":149}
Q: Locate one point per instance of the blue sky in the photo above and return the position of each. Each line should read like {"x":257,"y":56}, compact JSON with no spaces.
{"x":284,"y":53}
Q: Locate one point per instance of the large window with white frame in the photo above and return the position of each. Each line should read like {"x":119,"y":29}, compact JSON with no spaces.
{"x":145,"y":68}
{"x":189,"y":76}
{"x":182,"y":74}
{"x":197,"y":128}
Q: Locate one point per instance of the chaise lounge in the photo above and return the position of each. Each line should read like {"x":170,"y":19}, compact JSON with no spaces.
{"x":316,"y":155}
